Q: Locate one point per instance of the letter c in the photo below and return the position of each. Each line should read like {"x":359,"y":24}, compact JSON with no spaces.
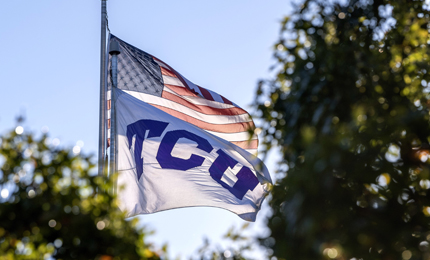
{"x":167,"y":161}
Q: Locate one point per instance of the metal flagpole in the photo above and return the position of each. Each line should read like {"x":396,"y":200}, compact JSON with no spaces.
{"x":114,"y":51}
{"x":102,"y":115}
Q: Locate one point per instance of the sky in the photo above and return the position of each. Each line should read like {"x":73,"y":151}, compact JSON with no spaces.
{"x":50,"y":73}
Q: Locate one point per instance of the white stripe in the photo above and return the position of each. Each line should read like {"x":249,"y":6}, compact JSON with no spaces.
{"x":191,"y":85}
{"x":200,"y":101}
{"x":252,"y":151}
{"x":233,"y":137}
{"x":108,"y":95}
{"x":211,"y":119}
{"x":172,"y":81}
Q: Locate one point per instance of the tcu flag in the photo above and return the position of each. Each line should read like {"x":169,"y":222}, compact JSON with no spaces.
{"x":180,"y":145}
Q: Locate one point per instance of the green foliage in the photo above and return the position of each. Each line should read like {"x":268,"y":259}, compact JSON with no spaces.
{"x":349,"y":109}
{"x":51,"y":207}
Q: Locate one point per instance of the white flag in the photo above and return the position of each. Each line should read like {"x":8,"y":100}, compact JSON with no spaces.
{"x":166,"y":163}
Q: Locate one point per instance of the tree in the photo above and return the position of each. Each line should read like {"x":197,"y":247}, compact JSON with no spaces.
{"x":51,"y":206}
{"x":349,"y":108}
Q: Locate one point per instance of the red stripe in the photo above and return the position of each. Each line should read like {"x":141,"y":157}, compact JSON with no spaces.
{"x":167,"y":72}
{"x":253,"y":144}
{"x":206,"y":93}
{"x":181,"y":90}
{"x":108,"y":123}
{"x":157,"y":59}
{"x":233,"y":111}
{"x":221,"y":128}
{"x":108,"y":104}
{"x":173,"y":71}
{"x":226,"y":101}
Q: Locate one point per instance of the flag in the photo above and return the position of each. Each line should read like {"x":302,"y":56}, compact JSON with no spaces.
{"x":180,"y":145}
{"x":158,"y":84}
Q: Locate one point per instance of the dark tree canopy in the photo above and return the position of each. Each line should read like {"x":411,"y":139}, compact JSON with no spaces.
{"x":349,"y":108}
{"x":51,"y":207}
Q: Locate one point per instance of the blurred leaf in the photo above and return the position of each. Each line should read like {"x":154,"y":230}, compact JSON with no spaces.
{"x":52,"y":206}
{"x":353,"y":128}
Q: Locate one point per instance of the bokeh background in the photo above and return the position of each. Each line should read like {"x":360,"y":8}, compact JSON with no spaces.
{"x":49,"y":71}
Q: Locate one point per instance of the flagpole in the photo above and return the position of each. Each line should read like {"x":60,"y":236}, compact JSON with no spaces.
{"x":113,"y":51}
{"x":102,"y":112}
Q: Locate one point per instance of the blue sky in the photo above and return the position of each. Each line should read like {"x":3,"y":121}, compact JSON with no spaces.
{"x":49,"y":71}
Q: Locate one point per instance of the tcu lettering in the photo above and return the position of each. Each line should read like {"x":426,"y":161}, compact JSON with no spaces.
{"x":246,"y":180}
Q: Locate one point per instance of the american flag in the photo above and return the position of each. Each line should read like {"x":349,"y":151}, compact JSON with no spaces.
{"x":154,"y":82}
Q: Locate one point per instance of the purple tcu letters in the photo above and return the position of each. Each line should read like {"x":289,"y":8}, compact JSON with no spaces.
{"x":246,"y":180}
